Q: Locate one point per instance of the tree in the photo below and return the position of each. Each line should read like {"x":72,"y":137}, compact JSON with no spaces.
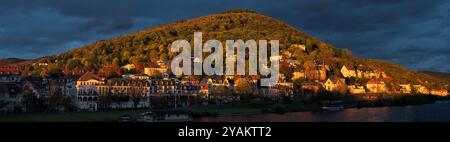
{"x":140,"y":66}
{"x":163,"y":57}
{"x":310,"y":69}
{"x":73,"y":63}
{"x":310,"y":45}
{"x":43,"y":73}
{"x":136,"y":92}
{"x":340,"y":89}
{"x":243,"y":86}
{"x":346,"y":53}
{"x":298,"y":85}
{"x":116,"y":61}
{"x":286,"y":71}
{"x":68,"y":104}
{"x":56,"y":101}
{"x":159,"y":101}
{"x":31,"y":102}
{"x":55,"y":97}
{"x":72,"y":66}
{"x":153,"y":56}
{"x":351,"y":80}
{"x":87,"y":65}
{"x":110,"y":71}
{"x":120,"y":99}
{"x":104,"y":101}
{"x":52,"y":71}
{"x":25,"y":72}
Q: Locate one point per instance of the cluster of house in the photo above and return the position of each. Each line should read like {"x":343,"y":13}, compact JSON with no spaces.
{"x":156,"y":81}
{"x":9,"y":74}
{"x":88,"y":89}
{"x":377,"y":82}
{"x":9,"y":88}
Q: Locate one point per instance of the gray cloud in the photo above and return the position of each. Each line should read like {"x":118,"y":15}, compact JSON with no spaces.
{"x":413,"y":33}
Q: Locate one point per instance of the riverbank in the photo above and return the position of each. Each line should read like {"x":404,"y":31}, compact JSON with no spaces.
{"x":114,"y":115}
{"x":436,"y":112}
{"x":313,"y":104}
{"x":295,"y":105}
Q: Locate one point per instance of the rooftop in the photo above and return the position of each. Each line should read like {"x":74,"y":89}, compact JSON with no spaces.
{"x":9,"y":70}
{"x":90,"y":75}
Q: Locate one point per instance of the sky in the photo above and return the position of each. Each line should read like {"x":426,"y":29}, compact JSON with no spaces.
{"x":413,"y":33}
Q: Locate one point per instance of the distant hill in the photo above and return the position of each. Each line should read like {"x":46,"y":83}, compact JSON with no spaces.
{"x":440,"y":75}
{"x":146,"y":47}
{"x":8,"y":61}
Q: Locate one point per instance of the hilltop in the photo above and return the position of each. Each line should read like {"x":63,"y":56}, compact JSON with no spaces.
{"x":7,"y":61}
{"x":441,"y":75}
{"x":146,"y":47}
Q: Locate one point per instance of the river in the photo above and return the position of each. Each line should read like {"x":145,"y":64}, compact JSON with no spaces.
{"x":437,"y":112}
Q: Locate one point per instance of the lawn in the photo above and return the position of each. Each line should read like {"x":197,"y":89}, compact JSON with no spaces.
{"x":113,"y":116}
{"x":108,"y":116}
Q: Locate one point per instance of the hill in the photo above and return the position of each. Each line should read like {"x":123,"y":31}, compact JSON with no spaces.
{"x":440,"y":75}
{"x":145,"y":48}
{"x":7,"y":61}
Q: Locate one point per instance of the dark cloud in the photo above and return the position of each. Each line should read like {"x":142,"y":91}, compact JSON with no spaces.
{"x":414,"y":33}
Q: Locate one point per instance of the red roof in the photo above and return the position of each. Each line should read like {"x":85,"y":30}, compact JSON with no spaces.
{"x":9,"y":70}
{"x":349,"y":67}
{"x":88,"y":76}
{"x":191,"y":79}
{"x":378,"y":71}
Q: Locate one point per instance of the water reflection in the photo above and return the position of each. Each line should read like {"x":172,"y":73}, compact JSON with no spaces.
{"x":437,"y":112}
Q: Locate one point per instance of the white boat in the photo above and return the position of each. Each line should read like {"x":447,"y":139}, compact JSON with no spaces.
{"x":335,"y":108}
{"x":332,"y":106}
{"x":164,"y":117}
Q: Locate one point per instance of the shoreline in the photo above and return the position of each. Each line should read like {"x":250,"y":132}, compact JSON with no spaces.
{"x":204,"y":111}
{"x":299,"y":107}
